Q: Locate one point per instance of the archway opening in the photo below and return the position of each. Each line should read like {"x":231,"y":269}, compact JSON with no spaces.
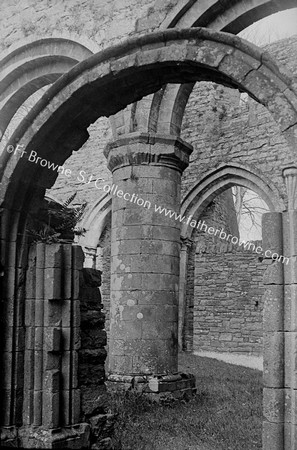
{"x":47,"y":123}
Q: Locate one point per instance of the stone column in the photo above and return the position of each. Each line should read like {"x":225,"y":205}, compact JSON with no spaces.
{"x":290,"y":310}
{"x":186,"y":244}
{"x":273,"y":335}
{"x":145,"y":253}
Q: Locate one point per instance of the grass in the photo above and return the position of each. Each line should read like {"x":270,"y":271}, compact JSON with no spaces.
{"x":226,"y":413}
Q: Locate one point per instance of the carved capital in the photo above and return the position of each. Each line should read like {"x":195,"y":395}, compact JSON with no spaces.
{"x":90,"y":257}
{"x":149,"y":149}
{"x":290,"y":176}
{"x":186,"y":243}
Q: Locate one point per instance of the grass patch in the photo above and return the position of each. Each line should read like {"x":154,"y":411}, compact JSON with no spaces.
{"x":226,"y":413}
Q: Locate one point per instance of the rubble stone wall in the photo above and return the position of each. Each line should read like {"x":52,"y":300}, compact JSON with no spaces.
{"x":228,"y":305}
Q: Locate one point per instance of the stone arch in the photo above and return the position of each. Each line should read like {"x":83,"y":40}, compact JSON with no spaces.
{"x":224,"y":177}
{"x":101,"y":85}
{"x":28,"y":67}
{"x":213,"y":183}
{"x":232,"y":18}
{"x":94,"y":221}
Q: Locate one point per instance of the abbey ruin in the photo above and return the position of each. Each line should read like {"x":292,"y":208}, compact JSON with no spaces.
{"x":122,"y":111}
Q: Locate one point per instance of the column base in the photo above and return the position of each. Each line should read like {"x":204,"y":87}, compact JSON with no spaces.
{"x":157,"y":387}
{"x":70,"y":437}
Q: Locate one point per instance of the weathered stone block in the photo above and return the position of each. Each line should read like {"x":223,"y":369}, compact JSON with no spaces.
{"x":273,"y":309}
{"x":282,"y":110}
{"x":52,"y":283}
{"x":37,"y":419}
{"x":52,"y":381}
{"x":75,"y":284}
{"x":6,"y":369}
{"x":211,"y":55}
{"x":290,"y":406}
{"x":38,"y":336}
{"x":51,"y":361}
{"x":29,"y":312}
{"x":273,"y":364}
{"x":52,"y":339}
{"x":290,"y":314}
{"x":272,"y":232}
{"x":290,"y":276}
{"x":6,"y":397}
{"x":39,"y":284}
{"x":28,"y":407}
{"x":225,"y":337}
{"x":77,"y":257}
{"x":238,"y":65}
{"x":290,"y":363}
{"x":76,"y":405}
{"x":121,"y":365}
{"x":53,"y":256}
{"x":273,"y":435}
{"x":262,"y":87}
{"x":125,"y":283}
{"x":274,"y":405}
{"x":274,"y":273}
{"x":71,"y":338}
{"x":40,"y":255}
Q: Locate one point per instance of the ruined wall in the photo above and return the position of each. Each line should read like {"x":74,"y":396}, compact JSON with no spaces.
{"x":103,"y":22}
{"x":228,"y":306}
{"x":91,"y":361}
{"x":105,"y":287}
{"x":224,"y":290}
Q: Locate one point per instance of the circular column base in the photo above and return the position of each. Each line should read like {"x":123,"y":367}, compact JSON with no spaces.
{"x":157,"y":387}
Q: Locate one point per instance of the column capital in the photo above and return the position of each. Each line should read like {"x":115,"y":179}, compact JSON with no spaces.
{"x":290,"y":176}
{"x":90,"y":256}
{"x":186,"y":243}
{"x":150,"y":149}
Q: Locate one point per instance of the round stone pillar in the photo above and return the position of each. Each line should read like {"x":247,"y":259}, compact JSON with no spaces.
{"x":145,"y":253}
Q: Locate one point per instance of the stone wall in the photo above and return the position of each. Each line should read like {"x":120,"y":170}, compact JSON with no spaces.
{"x":47,"y":394}
{"x":105,"y":288}
{"x":228,"y":306}
{"x":101,"y":22}
{"x":219,"y":214}
{"x":91,"y":362}
{"x":92,"y":353}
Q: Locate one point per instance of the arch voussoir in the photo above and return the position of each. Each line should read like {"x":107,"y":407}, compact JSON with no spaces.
{"x":212,"y":55}
{"x":238,"y":65}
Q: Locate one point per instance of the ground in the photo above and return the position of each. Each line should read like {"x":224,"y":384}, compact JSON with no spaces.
{"x":226,"y":413}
